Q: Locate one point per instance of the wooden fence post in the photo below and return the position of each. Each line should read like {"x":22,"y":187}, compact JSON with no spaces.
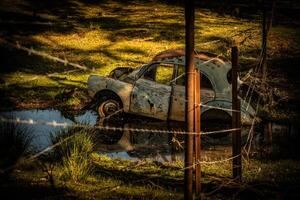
{"x":197,"y":136}
{"x":189,"y":92}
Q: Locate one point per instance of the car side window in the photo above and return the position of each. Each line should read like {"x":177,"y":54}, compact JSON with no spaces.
{"x":180,"y":80}
{"x":161,"y":73}
{"x":205,"y":82}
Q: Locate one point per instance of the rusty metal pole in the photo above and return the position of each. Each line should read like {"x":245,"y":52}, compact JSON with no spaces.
{"x":236,"y":118}
{"x":189,"y":93}
{"x":197,"y":137}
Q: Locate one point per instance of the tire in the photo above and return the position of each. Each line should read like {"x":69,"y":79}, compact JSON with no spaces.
{"x":108,"y":104}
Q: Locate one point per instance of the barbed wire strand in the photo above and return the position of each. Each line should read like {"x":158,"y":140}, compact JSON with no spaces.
{"x":31,"y":51}
{"x":218,"y":108}
{"x":110,"y":128}
{"x":35,"y":156}
{"x":263,"y":51}
{"x":210,"y":162}
{"x":62,"y":24}
{"x":210,"y":106}
{"x":250,"y":134}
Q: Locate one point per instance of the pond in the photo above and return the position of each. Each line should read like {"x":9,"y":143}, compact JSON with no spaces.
{"x":128,"y":144}
{"x":118,"y":144}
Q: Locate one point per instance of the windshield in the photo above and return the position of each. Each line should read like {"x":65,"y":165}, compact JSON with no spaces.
{"x":133,"y":75}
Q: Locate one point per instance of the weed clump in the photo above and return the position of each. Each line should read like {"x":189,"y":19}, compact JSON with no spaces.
{"x":74,"y":153}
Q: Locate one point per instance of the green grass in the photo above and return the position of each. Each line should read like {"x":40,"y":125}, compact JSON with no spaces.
{"x":73,"y":155}
{"x":147,"y":179}
{"x":106,"y":35}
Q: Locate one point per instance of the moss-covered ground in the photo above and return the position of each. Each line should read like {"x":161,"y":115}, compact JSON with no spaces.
{"x":106,"y":34}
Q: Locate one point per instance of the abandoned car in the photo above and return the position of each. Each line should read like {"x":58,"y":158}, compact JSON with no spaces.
{"x":157,"y":89}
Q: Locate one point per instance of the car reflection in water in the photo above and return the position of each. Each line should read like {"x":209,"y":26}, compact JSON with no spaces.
{"x":133,"y":144}
{"x":139,"y":144}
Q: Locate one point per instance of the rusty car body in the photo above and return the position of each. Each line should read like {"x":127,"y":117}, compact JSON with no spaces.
{"x":157,"y":89}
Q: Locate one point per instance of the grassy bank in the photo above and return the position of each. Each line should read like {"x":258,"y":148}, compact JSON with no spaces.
{"x":123,"y":179}
{"x":104,"y":35}
{"x":74,"y":169}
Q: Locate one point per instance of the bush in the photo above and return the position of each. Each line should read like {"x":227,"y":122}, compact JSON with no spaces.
{"x":74,"y":153}
{"x":15,"y":142}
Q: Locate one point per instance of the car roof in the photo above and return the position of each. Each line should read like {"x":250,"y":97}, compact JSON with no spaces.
{"x":213,"y":66}
{"x":202,"y":55}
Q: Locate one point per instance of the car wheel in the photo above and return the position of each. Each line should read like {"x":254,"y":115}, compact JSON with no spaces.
{"x":108,"y":106}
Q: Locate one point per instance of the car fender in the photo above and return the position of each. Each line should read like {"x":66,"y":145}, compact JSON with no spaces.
{"x":98,"y":84}
{"x":226,"y":106}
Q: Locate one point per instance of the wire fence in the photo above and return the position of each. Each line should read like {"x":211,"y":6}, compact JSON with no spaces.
{"x":79,"y":67}
{"x":109,"y":128}
{"x":43,"y":23}
{"x":32,"y":51}
{"x":32,"y":122}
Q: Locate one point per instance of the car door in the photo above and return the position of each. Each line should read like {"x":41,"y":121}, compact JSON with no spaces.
{"x":177,"y":105}
{"x":151,"y":92}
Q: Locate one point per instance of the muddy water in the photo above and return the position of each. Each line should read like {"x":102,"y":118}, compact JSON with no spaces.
{"x":126,"y":144}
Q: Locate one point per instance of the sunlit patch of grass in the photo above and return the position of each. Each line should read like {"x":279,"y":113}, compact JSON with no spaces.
{"x":107,"y":35}
{"x":27,"y":79}
{"x":220,"y":170}
{"x":88,"y":40}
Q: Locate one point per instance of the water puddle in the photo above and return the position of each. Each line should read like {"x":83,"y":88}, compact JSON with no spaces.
{"x":40,"y":132}
{"x":115,"y":144}
{"x":127,"y":144}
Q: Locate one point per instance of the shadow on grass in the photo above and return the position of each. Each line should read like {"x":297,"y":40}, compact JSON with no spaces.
{"x":23,"y":189}
{"x":16,"y":96}
{"x":16,"y":60}
{"x":212,"y":185}
{"x":140,"y":178}
{"x":121,"y":24}
{"x":291,"y":64}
